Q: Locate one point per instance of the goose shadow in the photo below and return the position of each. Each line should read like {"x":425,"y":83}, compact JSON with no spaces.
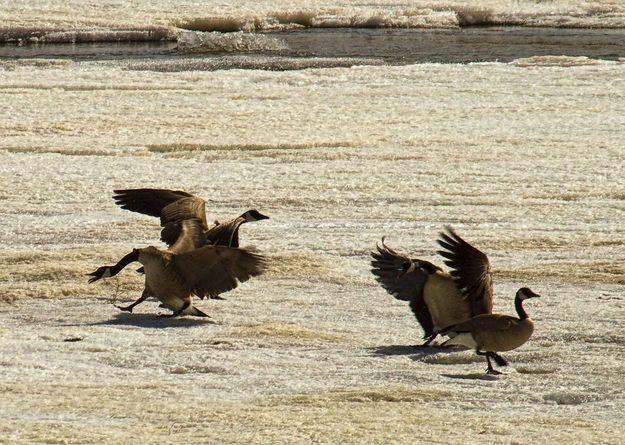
{"x":153,"y":321}
{"x":473,"y":376}
{"x":414,"y":350}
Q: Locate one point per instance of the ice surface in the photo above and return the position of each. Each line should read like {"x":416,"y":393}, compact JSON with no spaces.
{"x":76,"y":20}
{"x":523,"y":159}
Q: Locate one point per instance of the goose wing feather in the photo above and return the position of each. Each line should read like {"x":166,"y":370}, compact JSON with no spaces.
{"x":388,"y":267}
{"x":190,"y":207}
{"x":226,"y":233}
{"x":218,"y":269}
{"x":470,"y":269}
{"x":148,"y":201}
{"x":191,"y":237}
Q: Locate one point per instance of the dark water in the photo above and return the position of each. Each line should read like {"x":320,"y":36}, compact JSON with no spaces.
{"x":457,"y":46}
{"x":391,"y":46}
{"x":88,"y":51}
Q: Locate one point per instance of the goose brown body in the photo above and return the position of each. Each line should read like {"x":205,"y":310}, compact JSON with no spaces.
{"x":492,"y":333}
{"x":164,"y":282}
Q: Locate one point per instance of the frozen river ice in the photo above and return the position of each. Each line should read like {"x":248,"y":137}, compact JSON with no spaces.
{"x":524,"y":159}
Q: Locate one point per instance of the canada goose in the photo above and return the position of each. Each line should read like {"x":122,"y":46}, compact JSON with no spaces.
{"x":438,"y":299}
{"x":492,"y":333}
{"x":174,"y":274}
{"x":175,"y":206}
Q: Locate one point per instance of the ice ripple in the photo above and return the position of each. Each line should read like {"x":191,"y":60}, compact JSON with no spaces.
{"x":570,"y":397}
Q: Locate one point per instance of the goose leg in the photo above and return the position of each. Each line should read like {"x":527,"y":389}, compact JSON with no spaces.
{"x":499,"y":359}
{"x":428,"y":340}
{"x":144,"y":296}
{"x":489,"y":369}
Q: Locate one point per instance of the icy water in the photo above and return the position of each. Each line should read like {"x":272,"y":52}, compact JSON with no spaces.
{"x":281,"y":50}
{"x":523,"y":156}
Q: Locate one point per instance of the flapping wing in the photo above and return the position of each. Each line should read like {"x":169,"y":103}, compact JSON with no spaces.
{"x":470,"y":269}
{"x":147,"y":201}
{"x":226,"y":233}
{"x":174,"y":214}
{"x":392,"y":271}
{"x":191,"y":236}
{"x":217,"y":269}
{"x":190,"y":207}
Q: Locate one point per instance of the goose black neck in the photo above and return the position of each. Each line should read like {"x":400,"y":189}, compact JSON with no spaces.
{"x":125,"y":261}
{"x":518,"y":304}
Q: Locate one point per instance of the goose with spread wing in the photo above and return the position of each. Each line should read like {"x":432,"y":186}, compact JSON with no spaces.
{"x":438,"y":299}
{"x":175,"y":206}
{"x":188,"y":267}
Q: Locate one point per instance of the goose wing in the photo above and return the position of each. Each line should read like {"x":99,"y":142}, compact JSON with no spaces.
{"x":470,"y":269}
{"x":191,"y":236}
{"x":218,"y":269}
{"x":190,"y":207}
{"x":172,"y":216}
{"x":146,"y":200}
{"x":390,"y":270}
{"x":226,"y":233}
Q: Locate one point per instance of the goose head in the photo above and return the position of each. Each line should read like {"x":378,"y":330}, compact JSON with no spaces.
{"x":525,"y":293}
{"x":253,"y":215}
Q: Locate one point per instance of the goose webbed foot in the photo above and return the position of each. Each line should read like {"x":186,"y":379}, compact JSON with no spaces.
{"x":144,"y":296}
{"x":197,"y":313}
{"x":128,"y":308}
{"x":429,"y":339}
{"x":499,"y":359}
{"x":493,"y":371}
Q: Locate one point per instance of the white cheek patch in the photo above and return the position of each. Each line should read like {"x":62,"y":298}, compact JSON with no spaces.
{"x":107,"y":273}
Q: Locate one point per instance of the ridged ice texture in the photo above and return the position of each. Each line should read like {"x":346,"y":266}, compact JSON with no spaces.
{"x":76,"y":20}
